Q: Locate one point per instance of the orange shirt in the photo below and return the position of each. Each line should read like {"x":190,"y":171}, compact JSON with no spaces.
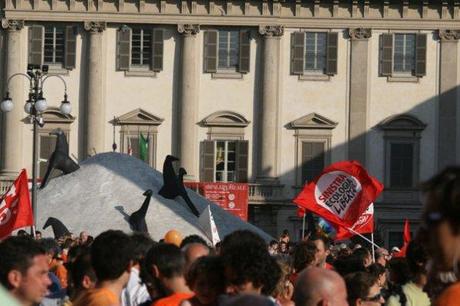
{"x":97,"y":297}
{"x":450,"y":296}
{"x":174,"y":299}
{"x":60,"y":271}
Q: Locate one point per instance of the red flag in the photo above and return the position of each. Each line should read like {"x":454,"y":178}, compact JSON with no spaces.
{"x":15,"y":208}
{"x":341,"y":193}
{"x":406,"y":239}
{"x":364,"y":225}
{"x":301,"y":212}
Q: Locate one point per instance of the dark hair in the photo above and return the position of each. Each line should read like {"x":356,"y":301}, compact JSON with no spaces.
{"x":168,"y":258}
{"x":17,"y":253}
{"x":211,"y":268}
{"x":326,"y":241}
{"x":141,"y":245}
{"x":358,"y":285}
{"x":192,"y":239}
{"x":273,"y":242}
{"x":240,"y":238}
{"x":38,"y":232}
{"x":252,"y":263}
{"x":81,"y":267}
{"x":399,"y":271}
{"x":444,"y":197}
{"x":376,"y":269}
{"x":349,"y":264}
{"x":111,"y":254}
{"x":417,"y":258}
{"x":50,"y":246}
{"x":361,"y":254}
{"x":304,"y":255}
{"x":22,"y":233}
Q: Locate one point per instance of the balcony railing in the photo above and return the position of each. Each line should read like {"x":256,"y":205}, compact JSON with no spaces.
{"x":5,"y":183}
{"x":266,"y":194}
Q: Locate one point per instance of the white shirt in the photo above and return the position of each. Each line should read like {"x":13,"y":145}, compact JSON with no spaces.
{"x":135,"y":292}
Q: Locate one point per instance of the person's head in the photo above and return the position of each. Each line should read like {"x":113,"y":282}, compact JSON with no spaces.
{"x":417,"y":259}
{"x":283,"y":289}
{"x":322,"y":245}
{"x":240,"y":238}
{"x":206,"y":278}
{"x":273,"y":247}
{"x":165,"y":262}
{"x":22,"y":233}
{"x":379,"y":272}
{"x":83,"y":237}
{"x":82,"y":275}
{"x":317,"y":286}
{"x":441,"y":216}
{"x":193,"y":251}
{"x":283,"y":247}
{"x":111,"y":256}
{"x":141,"y":245}
{"x":38,"y":235}
{"x":248,"y":300}
{"x":363,"y":290}
{"x":192,"y":239}
{"x":250,"y":269}
{"x":399,"y":271}
{"x":24,"y":269}
{"x":364,"y":256}
{"x":304,"y":255}
{"x":382,"y":256}
{"x":51,"y":247}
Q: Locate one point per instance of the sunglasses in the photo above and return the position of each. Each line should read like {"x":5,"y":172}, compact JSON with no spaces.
{"x":375,"y":298}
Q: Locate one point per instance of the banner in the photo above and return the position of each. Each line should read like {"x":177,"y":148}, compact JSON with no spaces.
{"x":15,"y":208}
{"x":206,"y":221}
{"x":232,"y":197}
{"x":364,"y":225}
{"x":341,"y":193}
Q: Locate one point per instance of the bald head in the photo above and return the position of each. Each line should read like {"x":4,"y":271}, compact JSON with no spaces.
{"x":193,"y":251}
{"x":317,"y":286}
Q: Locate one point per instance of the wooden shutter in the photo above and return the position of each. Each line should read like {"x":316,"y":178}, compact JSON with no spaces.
{"x":157,"y":50}
{"x":207,"y":161}
{"x":420,"y":55}
{"x":245,"y":52}
{"x":331,"y":55}
{"x":36,"y":45}
{"x":210,"y":51}
{"x":242,"y":147}
{"x":47,"y":144}
{"x":70,"y":47}
{"x":312,"y":160}
{"x":386,"y":62}
{"x":123,"y":48}
{"x":297,"y":52}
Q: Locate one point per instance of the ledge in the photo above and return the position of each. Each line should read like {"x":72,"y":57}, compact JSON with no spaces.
{"x":57,"y":71}
{"x":403,"y":79}
{"x":315,"y":77}
{"x":134,"y":73}
{"x":227,"y":75}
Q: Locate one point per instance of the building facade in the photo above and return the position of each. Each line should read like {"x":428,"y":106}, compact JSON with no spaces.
{"x":265,"y":92}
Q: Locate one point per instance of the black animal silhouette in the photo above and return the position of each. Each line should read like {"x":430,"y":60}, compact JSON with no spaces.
{"x":137,"y":218}
{"x":170,"y":189}
{"x":183,"y":192}
{"x":59,"y":229}
{"x":59,"y":158}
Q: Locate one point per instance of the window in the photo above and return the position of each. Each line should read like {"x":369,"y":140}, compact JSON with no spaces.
{"x":312,"y":159}
{"x":401,"y":165}
{"x":229,"y":43}
{"x":54,"y":45}
{"x":141,"y":47}
{"x":225,"y":161}
{"x":395,"y":239}
{"x":404,"y":53}
{"x":315,"y":52}
{"x":140,"y":146}
{"x":46,"y":144}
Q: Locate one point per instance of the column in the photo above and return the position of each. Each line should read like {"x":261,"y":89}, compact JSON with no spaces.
{"x":448,"y":99}
{"x":12,"y":142}
{"x":359,"y":87}
{"x":188,"y":101}
{"x":95,"y":105}
{"x":268,"y":125}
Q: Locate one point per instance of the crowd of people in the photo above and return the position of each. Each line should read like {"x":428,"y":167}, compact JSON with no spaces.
{"x":116,"y":268}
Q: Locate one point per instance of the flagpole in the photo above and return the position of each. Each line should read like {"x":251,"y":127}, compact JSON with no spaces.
{"x":303,"y":226}
{"x":373,"y":248}
{"x":356,"y":233}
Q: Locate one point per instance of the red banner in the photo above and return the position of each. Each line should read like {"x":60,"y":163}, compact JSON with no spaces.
{"x":341,"y":193}
{"x":364,"y":225}
{"x":233,"y":197}
{"x":15,"y":208}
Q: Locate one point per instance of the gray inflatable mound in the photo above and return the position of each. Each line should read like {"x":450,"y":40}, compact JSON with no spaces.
{"x":108,"y":188}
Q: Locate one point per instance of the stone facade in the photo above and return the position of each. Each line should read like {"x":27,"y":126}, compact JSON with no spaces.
{"x":273,"y":107}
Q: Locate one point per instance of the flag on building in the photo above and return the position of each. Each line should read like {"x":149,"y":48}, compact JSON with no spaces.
{"x":206,"y":221}
{"x":143,"y":147}
{"x":341,"y":193}
{"x":15,"y":208}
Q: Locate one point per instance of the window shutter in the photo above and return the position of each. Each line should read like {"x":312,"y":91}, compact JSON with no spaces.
{"x":210,"y":51}
{"x":242,"y":161}
{"x":123,"y":48}
{"x":47,"y":144}
{"x":312,"y":160}
{"x":297,"y":52}
{"x":70,"y":47}
{"x":36,"y":45}
{"x":331,"y":56}
{"x":420,"y":55}
{"x":207,"y":161}
{"x":245,"y":52}
{"x":157,"y":50}
{"x":386,"y":64}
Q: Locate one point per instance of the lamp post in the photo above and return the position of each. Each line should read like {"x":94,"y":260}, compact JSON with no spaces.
{"x":35,"y":106}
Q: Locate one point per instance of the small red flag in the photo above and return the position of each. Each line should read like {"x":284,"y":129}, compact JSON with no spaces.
{"x":364,"y":225}
{"x":341,"y":193}
{"x":406,"y":239}
{"x":15,"y":208}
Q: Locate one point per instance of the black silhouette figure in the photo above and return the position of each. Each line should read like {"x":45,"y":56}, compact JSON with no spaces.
{"x":137,"y":218}
{"x":60,"y":158}
{"x":170,"y":189}
{"x":59,"y":229}
{"x":183,"y":192}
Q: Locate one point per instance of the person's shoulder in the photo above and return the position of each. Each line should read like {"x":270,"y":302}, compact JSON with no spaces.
{"x":450,"y":296}
{"x":97,"y":297}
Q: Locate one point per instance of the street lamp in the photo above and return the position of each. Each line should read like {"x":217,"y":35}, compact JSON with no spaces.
{"x":35,"y":105}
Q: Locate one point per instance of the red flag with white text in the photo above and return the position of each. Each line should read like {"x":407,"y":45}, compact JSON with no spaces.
{"x":364,"y":225}
{"x":341,"y":193}
{"x":15,"y":208}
